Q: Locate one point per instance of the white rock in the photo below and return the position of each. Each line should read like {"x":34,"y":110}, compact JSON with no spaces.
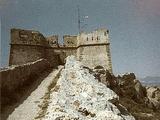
{"x":82,"y":97}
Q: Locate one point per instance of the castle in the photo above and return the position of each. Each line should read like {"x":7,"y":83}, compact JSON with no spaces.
{"x":92,"y":49}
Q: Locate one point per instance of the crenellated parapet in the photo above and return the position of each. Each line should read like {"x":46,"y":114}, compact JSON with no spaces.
{"x":99,"y":36}
{"x":52,"y":41}
{"x":70,"y":40}
{"x":27,"y":37}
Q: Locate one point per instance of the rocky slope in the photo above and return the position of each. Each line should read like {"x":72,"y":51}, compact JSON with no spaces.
{"x":81,"y":93}
{"x":78,"y":95}
{"x":142,"y":102}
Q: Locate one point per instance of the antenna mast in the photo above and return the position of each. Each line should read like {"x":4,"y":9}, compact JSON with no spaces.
{"x":79,"y":22}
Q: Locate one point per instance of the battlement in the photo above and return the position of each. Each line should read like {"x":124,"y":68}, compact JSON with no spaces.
{"x":98,"y":36}
{"x":27,"y":37}
{"x":70,"y":41}
{"x":31,"y":37}
{"x":52,"y":41}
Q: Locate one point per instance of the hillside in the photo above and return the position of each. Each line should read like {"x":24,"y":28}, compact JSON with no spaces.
{"x":80,"y":93}
{"x":79,"y":96}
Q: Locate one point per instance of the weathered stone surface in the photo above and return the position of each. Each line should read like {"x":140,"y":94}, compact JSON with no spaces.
{"x":26,"y":46}
{"x":20,"y":54}
{"x":15,"y":77}
{"x":104,"y":76}
{"x":153,"y":94}
{"x":81,"y":97}
{"x":142,"y":104}
{"x":131,"y":88}
{"x":36,"y":100}
{"x":140,"y":90}
{"x":52,"y":41}
{"x":90,"y":48}
{"x":127,"y":79}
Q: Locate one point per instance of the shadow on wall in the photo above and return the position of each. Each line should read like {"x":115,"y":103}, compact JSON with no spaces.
{"x":18,"y":82}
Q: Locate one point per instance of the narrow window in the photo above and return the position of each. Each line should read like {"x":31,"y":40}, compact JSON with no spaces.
{"x":98,"y":38}
{"x":87,"y":38}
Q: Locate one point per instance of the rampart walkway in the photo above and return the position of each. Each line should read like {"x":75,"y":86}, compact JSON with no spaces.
{"x":29,"y":108}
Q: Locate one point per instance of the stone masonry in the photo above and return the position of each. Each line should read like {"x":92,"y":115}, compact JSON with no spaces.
{"x":92,"y":49}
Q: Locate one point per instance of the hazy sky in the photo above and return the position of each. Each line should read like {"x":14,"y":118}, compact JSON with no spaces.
{"x":134,"y":27}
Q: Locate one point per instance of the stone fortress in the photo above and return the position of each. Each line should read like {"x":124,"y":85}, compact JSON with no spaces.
{"x":92,"y":49}
{"x":36,"y":67}
{"x":32,"y":56}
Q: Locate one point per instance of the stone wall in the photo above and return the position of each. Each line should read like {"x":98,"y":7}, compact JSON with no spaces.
{"x":70,"y":41}
{"x":27,"y":37}
{"x":52,"y":41}
{"x":15,"y":77}
{"x":93,"y":49}
{"x":93,"y":56}
{"x":63,"y":52}
{"x":52,"y":57}
{"x":21,"y":54}
{"x":109,"y":61}
{"x":96,"y":37}
{"x":26,"y":46}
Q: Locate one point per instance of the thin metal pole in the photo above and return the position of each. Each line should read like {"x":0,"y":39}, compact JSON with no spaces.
{"x":79,"y":22}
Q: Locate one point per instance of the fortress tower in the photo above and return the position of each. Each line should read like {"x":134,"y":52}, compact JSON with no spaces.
{"x":94,"y":49}
{"x":26,"y":46}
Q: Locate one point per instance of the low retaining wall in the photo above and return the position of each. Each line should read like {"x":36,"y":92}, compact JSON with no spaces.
{"x":15,"y":77}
